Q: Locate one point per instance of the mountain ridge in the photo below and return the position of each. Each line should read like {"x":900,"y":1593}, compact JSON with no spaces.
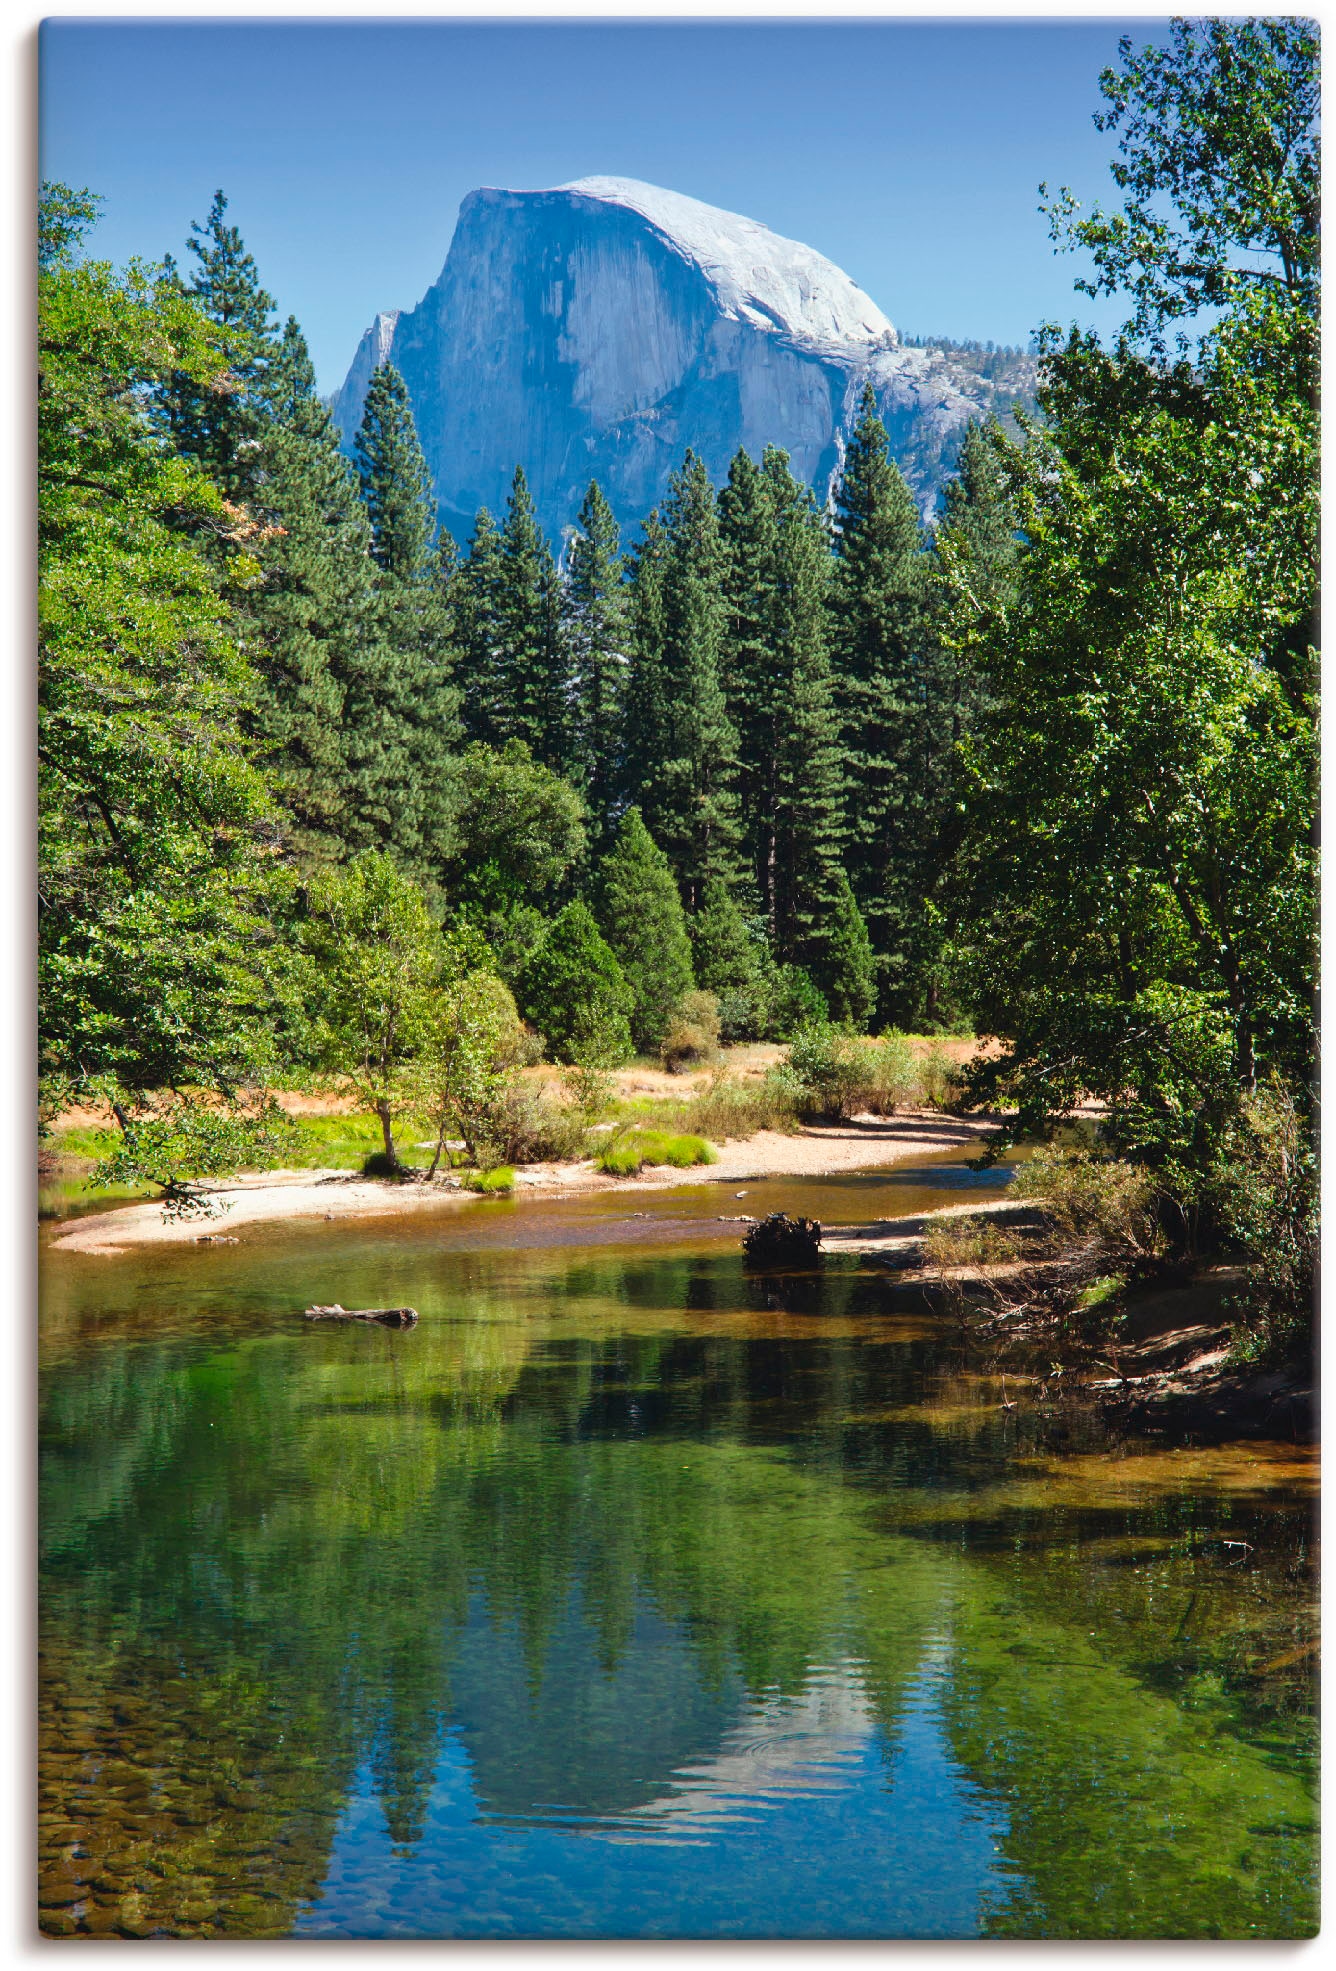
{"x":600,"y":328}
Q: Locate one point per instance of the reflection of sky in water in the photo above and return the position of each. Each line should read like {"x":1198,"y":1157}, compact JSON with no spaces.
{"x":803,"y":1822}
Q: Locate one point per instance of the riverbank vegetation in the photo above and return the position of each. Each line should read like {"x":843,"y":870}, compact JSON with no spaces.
{"x":325,"y":795}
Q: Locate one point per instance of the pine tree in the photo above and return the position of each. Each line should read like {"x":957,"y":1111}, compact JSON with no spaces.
{"x":220,"y":427}
{"x":686,"y":760}
{"x":886,"y":663}
{"x":781,"y":698}
{"x":396,"y":485}
{"x":404,"y":704}
{"x":640,"y":915}
{"x":731,"y":962}
{"x":645,"y":728}
{"x":597,"y":632}
{"x":535,"y":674}
{"x":847,"y":975}
{"x":314,"y":614}
{"x":979,"y":517}
{"x":480,"y":633}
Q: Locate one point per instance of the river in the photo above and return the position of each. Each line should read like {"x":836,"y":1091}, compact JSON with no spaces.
{"x":628,"y":1595}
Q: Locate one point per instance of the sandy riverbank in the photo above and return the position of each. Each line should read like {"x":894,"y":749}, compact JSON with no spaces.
{"x":819,"y":1150}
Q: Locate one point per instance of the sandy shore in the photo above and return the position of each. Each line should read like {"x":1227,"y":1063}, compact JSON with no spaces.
{"x":862,"y":1143}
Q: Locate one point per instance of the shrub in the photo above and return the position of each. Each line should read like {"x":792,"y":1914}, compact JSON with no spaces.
{"x":1095,"y":1201}
{"x":528,"y":1126}
{"x":380,"y":1165}
{"x":728,"y":1108}
{"x":1265,"y":1191}
{"x":981,"y":1241}
{"x":825,"y":1066}
{"x":890,"y":1077}
{"x":692,"y":1033}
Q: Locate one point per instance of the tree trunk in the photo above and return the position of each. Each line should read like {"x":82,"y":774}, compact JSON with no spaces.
{"x":383,"y":1111}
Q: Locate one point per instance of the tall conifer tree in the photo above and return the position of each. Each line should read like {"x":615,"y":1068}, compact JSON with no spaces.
{"x":597,"y":631}
{"x":314,"y":614}
{"x":220,"y":428}
{"x":685,"y":762}
{"x":645,"y":729}
{"x":396,"y":484}
{"x":407,"y":706}
{"x":890,"y":701}
{"x":536,"y":696}
{"x":480,"y":631}
{"x":780,"y":696}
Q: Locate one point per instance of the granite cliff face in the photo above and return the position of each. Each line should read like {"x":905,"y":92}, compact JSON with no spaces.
{"x":596,"y":330}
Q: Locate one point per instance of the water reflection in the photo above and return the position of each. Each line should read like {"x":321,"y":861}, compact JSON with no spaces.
{"x":610,"y":1601}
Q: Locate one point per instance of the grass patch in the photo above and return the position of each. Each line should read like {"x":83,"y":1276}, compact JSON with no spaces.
{"x":497,"y":1183}
{"x":627,"y":1154}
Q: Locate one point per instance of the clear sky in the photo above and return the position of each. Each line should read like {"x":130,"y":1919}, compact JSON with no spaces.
{"x":908,"y":152}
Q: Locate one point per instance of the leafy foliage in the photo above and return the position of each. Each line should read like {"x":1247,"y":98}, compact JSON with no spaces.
{"x":518,"y":830}
{"x":1138,"y":867}
{"x":154,"y":825}
{"x":1218,"y":156}
{"x":376,"y":961}
{"x":464,"y":1066}
{"x":177,"y":1140}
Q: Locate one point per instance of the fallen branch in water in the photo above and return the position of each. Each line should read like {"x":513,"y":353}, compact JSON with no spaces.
{"x":388,"y":1317}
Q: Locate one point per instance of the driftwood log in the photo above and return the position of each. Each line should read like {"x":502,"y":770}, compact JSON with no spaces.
{"x":388,"y":1317}
{"x":783,"y":1241}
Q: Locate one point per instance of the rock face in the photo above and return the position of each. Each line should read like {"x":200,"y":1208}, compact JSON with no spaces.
{"x":597,"y":330}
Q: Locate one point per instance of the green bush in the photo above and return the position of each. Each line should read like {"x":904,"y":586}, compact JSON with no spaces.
{"x":692,"y":1033}
{"x":729,"y":1108}
{"x":966,"y":1241}
{"x":529,"y":1126}
{"x":1095,"y":1201}
{"x":1265,"y":1191}
{"x":825,"y":1065}
{"x":890,"y":1077}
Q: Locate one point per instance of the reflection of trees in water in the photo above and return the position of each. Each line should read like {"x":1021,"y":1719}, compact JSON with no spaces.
{"x":586,"y":1553}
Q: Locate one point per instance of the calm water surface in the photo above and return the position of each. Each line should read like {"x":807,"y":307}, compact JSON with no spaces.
{"x":629,"y":1596}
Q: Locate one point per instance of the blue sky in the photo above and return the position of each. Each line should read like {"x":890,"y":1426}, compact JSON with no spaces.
{"x":908,"y":152}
